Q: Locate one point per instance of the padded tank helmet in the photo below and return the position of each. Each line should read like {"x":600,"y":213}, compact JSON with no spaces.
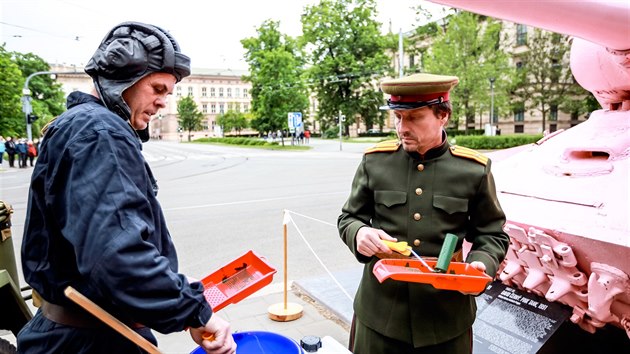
{"x":129,"y":52}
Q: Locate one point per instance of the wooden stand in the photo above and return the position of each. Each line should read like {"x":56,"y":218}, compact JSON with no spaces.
{"x":285,"y":312}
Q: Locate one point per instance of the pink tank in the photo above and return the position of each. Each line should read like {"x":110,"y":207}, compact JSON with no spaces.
{"x":567,"y":197}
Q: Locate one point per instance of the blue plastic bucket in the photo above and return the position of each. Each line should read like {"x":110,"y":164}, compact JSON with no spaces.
{"x":259,"y":342}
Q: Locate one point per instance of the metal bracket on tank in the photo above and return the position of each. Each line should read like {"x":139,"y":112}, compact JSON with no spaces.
{"x":604,"y":284}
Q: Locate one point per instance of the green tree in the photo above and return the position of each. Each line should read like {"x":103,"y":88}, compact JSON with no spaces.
{"x":12,"y":120}
{"x":276,"y":67}
{"x":232,"y":120}
{"x":189,"y":118}
{"x":469,"y":49}
{"x":47,"y":95}
{"x":547,"y":78}
{"x":347,"y":54}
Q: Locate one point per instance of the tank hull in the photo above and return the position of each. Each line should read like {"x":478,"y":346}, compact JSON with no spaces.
{"x":567,"y":202}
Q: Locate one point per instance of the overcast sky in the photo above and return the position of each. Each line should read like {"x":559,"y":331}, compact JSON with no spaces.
{"x":209,"y":31}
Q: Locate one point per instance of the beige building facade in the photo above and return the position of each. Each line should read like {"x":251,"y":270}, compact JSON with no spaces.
{"x":214,"y":90}
{"x":527,"y":121}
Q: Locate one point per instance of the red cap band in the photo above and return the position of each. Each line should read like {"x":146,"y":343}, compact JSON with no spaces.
{"x":420,"y":98}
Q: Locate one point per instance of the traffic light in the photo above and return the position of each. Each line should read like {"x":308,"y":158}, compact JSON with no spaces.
{"x":31,"y":118}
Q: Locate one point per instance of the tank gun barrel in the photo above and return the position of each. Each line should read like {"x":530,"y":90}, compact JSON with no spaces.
{"x":603,"y":22}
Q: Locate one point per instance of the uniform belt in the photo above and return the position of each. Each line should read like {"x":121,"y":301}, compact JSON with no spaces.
{"x":75,"y":317}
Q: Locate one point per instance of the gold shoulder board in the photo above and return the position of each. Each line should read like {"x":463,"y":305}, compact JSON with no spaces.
{"x":469,"y":154}
{"x":384,"y":146}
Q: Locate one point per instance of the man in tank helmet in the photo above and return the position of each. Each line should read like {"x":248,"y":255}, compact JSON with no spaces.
{"x":93,"y":221}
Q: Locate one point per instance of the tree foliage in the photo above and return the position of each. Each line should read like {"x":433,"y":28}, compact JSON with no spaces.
{"x":276,"y":68}
{"x":12,"y":121}
{"x":347,"y":54}
{"x":547,"y":79}
{"x":232,"y":121}
{"x":47,"y":94}
{"x":469,"y":48}
{"x":189,"y":118}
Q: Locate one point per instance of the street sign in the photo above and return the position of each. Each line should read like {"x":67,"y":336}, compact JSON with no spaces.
{"x":295,"y":120}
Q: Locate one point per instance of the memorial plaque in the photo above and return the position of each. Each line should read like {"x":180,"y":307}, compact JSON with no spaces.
{"x":512,"y":321}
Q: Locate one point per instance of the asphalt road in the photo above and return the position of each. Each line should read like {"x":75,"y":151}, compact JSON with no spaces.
{"x":221,"y":202}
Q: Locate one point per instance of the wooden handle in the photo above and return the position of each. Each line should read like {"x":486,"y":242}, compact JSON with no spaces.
{"x":110,"y":320}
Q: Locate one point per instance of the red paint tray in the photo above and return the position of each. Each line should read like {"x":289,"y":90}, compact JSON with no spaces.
{"x":459,"y":276}
{"x":237,"y":280}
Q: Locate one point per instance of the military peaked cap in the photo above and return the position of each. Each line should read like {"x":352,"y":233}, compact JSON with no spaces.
{"x":418,"y":90}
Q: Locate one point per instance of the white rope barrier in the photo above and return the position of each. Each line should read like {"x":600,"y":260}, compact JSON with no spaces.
{"x":289,"y":218}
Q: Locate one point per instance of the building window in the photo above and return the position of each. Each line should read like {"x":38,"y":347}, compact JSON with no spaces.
{"x":212,"y":92}
{"x":213,"y":108}
{"x":220,"y":91}
{"x":229,"y":92}
{"x":204,"y":108}
{"x":553,"y":112}
{"x":229,"y":106}
{"x":204,"y":125}
{"x":519,"y":128}
{"x":244,"y":93}
{"x":521,"y":35}
{"x":221,"y":108}
{"x":245,"y":108}
{"x":237,"y":106}
{"x":190,"y":91}
{"x":519,"y":114}
{"x":237,"y":92}
{"x":203,"y":92}
{"x":178,"y":91}
{"x":412,"y":61}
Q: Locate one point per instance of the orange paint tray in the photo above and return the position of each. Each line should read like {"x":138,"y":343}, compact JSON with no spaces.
{"x":459,"y":276}
{"x":237,"y":280}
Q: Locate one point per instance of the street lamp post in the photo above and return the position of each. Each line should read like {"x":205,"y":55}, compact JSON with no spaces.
{"x":492,"y":100}
{"x":26,"y":97}
{"x":342,"y":118}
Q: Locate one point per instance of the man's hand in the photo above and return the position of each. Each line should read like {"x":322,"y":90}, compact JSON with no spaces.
{"x":369,"y":241}
{"x":222,"y":343}
{"x":480,"y":267}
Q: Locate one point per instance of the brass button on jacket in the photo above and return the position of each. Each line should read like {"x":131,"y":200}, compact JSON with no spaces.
{"x":420,"y":167}
{"x":417,"y":216}
{"x":416,"y":243}
{"x":418,"y":191}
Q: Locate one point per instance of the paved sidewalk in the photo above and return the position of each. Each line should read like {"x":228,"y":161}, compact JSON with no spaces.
{"x":251,"y":314}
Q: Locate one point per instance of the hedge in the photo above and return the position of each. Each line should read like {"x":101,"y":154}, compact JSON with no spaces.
{"x":495,"y":142}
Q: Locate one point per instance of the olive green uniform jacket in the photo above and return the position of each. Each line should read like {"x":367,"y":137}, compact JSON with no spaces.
{"x":449,"y":190}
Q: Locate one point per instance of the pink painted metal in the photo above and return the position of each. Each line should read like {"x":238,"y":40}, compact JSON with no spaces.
{"x":567,"y":197}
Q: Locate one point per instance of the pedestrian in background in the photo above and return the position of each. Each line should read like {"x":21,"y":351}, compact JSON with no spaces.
{"x":93,"y":220}
{"x":9,"y":146}
{"x":20,"y":147}
{"x":2,"y":149}
{"x":307,"y":136}
{"x":417,"y":189}
{"x":31,"y":152}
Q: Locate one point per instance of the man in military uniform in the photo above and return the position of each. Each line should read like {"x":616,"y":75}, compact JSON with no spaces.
{"x":93,"y":220}
{"x":417,"y":189}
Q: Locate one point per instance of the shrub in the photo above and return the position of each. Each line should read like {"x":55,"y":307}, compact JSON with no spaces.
{"x":495,"y":142}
